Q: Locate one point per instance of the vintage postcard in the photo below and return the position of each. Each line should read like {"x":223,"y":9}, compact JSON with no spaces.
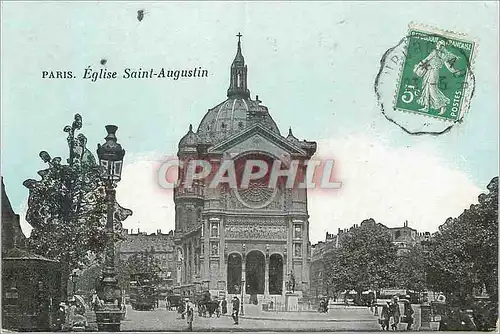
{"x":249,"y":166}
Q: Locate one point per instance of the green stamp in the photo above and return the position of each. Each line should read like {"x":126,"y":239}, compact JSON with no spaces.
{"x":436,"y":77}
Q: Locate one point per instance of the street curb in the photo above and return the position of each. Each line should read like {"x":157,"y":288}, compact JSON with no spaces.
{"x":304,"y":320}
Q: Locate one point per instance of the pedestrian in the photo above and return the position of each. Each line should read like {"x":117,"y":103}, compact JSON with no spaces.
{"x":408,"y":315}
{"x":385,"y":316}
{"x":395,"y":312}
{"x":72,"y":311}
{"x":189,"y":310}
{"x":79,"y":322}
{"x":217,"y":308}
{"x":224,"y":306}
{"x":180,"y":309}
{"x":236,"y":309}
{"x":167,"y":304}
{"x":61,"y":317}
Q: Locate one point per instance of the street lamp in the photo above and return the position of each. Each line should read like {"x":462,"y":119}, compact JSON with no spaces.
{"x":111,"y":160}
{"x":242,"y":287}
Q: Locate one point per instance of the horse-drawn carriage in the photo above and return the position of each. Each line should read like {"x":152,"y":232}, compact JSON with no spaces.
{"x":173,"y":301}
{"x":143,"y":294}
{"x":207,"y":305}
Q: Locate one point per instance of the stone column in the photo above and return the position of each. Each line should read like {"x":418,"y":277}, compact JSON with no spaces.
{"x":266,"y":279}
{"x":243,"y":274}
{"x":188,"y":262}
{"x":305,"y":239}
{"x":290,"y":249}
{"x":184,"y":263}
{"x":222,"y":254}
{"x":193,"y":268}
{"x":206,"y":255}
{"x":285,"y":271}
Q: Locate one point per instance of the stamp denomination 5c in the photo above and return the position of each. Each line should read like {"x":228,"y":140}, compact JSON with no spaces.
{"x":436,"y":76}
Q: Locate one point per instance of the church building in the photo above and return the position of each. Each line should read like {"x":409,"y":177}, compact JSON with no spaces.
{"x":254,"y":238}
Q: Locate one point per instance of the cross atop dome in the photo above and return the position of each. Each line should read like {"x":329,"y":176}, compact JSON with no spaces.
{"x":238,"y":79}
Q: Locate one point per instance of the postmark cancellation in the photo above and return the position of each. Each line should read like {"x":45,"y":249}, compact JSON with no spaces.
{"x":436,"y":76}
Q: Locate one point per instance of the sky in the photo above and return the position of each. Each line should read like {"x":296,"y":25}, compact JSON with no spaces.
{"x":313,"y":64}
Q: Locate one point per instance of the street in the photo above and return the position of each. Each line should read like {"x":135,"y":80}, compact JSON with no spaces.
{"x":338,"y":319}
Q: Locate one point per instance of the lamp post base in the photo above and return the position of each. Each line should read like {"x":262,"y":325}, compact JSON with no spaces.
{"x":108,"y":318}
{"x":425,"y":317}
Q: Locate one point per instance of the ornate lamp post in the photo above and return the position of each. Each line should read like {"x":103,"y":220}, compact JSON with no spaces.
{"x":110,"y":159}
{"x":242,"y":285}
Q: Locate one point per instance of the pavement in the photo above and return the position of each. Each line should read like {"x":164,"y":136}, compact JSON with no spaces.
{"x":348,"y":319}
{"x":338,"y":319}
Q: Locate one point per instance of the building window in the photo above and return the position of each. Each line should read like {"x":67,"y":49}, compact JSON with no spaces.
{"x":297,"y":250}
{"x":297,"y":231}
{"x":214,"y":229}
{"x":214,"y":248}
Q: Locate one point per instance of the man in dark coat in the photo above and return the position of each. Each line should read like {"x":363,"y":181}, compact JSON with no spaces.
{"x":236,"y":309}
{"x":395,"y":312}
{"x":408,"y":314}
{"x":224,"y":306}
{"x":385,"y":316}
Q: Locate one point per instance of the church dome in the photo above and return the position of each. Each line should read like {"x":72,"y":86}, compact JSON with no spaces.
{"x":238,"y":112}
{"x":232,"y":116}
{"x":189,"y":142}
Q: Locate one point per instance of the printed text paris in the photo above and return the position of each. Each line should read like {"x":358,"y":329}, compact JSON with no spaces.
{"x":129,"y":73}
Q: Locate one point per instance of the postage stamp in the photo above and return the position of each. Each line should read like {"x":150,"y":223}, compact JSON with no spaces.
{"x":436,"y":74}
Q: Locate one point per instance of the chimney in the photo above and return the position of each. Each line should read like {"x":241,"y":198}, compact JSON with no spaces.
{"x":138,"y":231}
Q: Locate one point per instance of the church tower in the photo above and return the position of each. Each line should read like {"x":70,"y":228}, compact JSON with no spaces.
{"x":252,"y":240}
{"x":238,"y":78}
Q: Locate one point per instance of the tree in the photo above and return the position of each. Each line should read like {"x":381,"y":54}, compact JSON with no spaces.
{"x":67,"y":207}
{"x":139,"y":263}
{"x":410,"y":269}
{"x":463,"y":255}
{"x":365,"y":259}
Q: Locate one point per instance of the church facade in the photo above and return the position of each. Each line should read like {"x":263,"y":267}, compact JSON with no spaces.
{"x":250,"y":240}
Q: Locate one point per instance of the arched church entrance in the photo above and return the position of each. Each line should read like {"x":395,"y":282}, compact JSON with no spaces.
{"x":275,"y":274}
{"x":234,"y":273}
{"x":255,"y":272}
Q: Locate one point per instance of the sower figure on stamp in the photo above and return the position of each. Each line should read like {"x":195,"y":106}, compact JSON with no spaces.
{"x":428,"y":69}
